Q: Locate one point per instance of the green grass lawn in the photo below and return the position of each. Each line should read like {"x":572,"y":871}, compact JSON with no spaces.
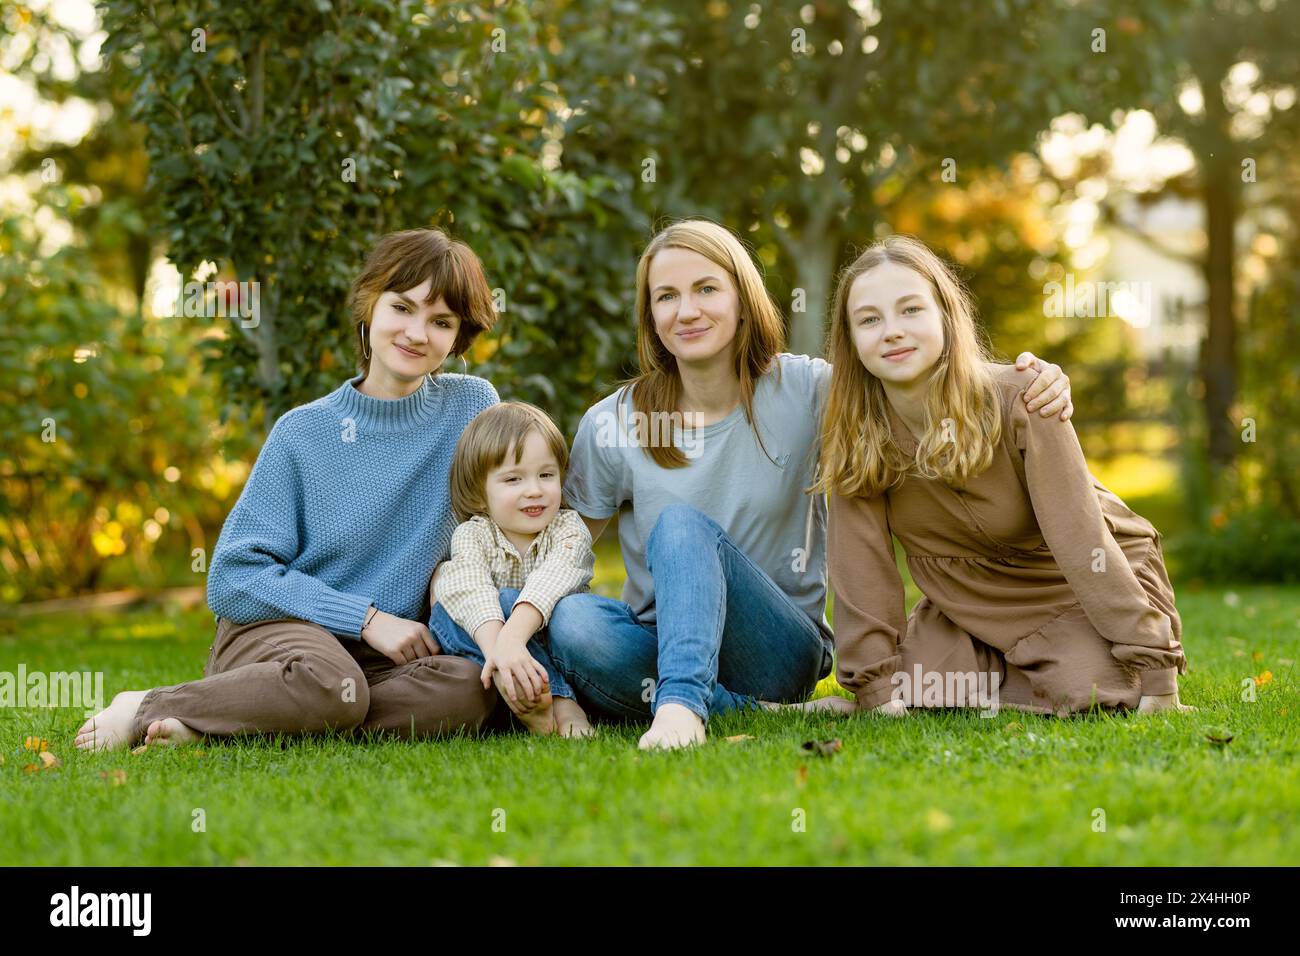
{"x":933,"y":788}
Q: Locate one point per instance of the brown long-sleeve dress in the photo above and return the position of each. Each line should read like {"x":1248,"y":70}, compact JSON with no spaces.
{"x":1033,"y":571}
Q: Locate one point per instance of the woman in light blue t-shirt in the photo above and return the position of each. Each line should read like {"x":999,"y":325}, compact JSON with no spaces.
{"x":705,"y":456}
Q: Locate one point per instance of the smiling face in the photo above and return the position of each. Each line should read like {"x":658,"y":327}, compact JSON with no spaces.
{"x":694,"y":305}
{"x":896,"y":326}
{"x":523,"y":496}
{"x":409,"y":338}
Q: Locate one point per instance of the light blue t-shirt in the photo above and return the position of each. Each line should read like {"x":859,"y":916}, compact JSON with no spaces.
{"x":758,"y":501}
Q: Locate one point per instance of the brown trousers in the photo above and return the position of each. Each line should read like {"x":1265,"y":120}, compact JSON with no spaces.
{"x":294,"y":677}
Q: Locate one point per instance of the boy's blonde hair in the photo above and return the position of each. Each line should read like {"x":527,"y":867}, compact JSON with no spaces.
{"x":484,"y":445}
{"x":858,"y":454}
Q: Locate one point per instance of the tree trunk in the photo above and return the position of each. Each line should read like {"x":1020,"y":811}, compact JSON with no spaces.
{"x":268,"y":355}
{"x":1218,"y":358}
{"x":814,"y":261}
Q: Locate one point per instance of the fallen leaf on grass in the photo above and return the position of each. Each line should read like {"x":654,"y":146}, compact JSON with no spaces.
{"x":1014,"y":727}
{"x":1264,"y":678}
{"x":48,"y":762}
{"x":1220,"y":738}
{"x":1257,"y":656}
{"x":36,"y":743}
{"x":739,"y":737}
{"x":824,"y":748}
{"x":800,"y":776}
{"x":114,"y":777}
{"x":141,"y":749}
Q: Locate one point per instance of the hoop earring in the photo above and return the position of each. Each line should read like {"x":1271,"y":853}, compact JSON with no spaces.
{"x":365,"y":344}
{"x":464,"y":362}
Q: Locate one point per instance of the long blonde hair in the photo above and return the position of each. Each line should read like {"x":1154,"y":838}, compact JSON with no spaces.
{"x":760,"y":334}
{"x":963,"y":417}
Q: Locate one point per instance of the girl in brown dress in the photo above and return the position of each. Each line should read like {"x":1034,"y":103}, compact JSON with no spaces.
{"x":1043,"y":591}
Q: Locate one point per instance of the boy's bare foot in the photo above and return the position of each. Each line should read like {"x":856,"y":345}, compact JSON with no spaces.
{"x":170,"y":732}
{"x":675,"y":725}
{"x":539,"y":716}
{"x":572,"y":719}
{"x":109,"y":728}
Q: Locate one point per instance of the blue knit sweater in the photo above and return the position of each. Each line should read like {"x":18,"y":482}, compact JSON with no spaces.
{"x":348,"y":505}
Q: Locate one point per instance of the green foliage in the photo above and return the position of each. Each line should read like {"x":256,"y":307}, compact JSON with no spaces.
{"x":1256,"y":545}
{"x":110,"y":448}
{"x":1253,"y":531}
{"x":1270,"y":460}
{"x":256,"y":126}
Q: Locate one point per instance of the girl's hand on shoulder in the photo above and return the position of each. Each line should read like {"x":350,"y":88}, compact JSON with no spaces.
{"x":1154,"y":704}
{"x":1049,"y":394}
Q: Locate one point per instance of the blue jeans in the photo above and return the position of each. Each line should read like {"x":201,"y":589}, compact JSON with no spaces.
{"x":726,"y":634}
{"x":455,"y":640}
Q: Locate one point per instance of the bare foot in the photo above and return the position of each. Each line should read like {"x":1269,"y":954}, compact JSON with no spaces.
{"x":1155,"y":704}
{"x":109,"y":728}
{"x":572,"y":719}
{"x":538,"y":717}
{"x":170,"y":732}
{"x":675,"y":725}
{"x":891,"y":708}
{"x":1027,"y":709}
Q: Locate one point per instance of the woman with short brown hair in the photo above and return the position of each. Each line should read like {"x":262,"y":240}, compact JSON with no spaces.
{"x":320,"y":578}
